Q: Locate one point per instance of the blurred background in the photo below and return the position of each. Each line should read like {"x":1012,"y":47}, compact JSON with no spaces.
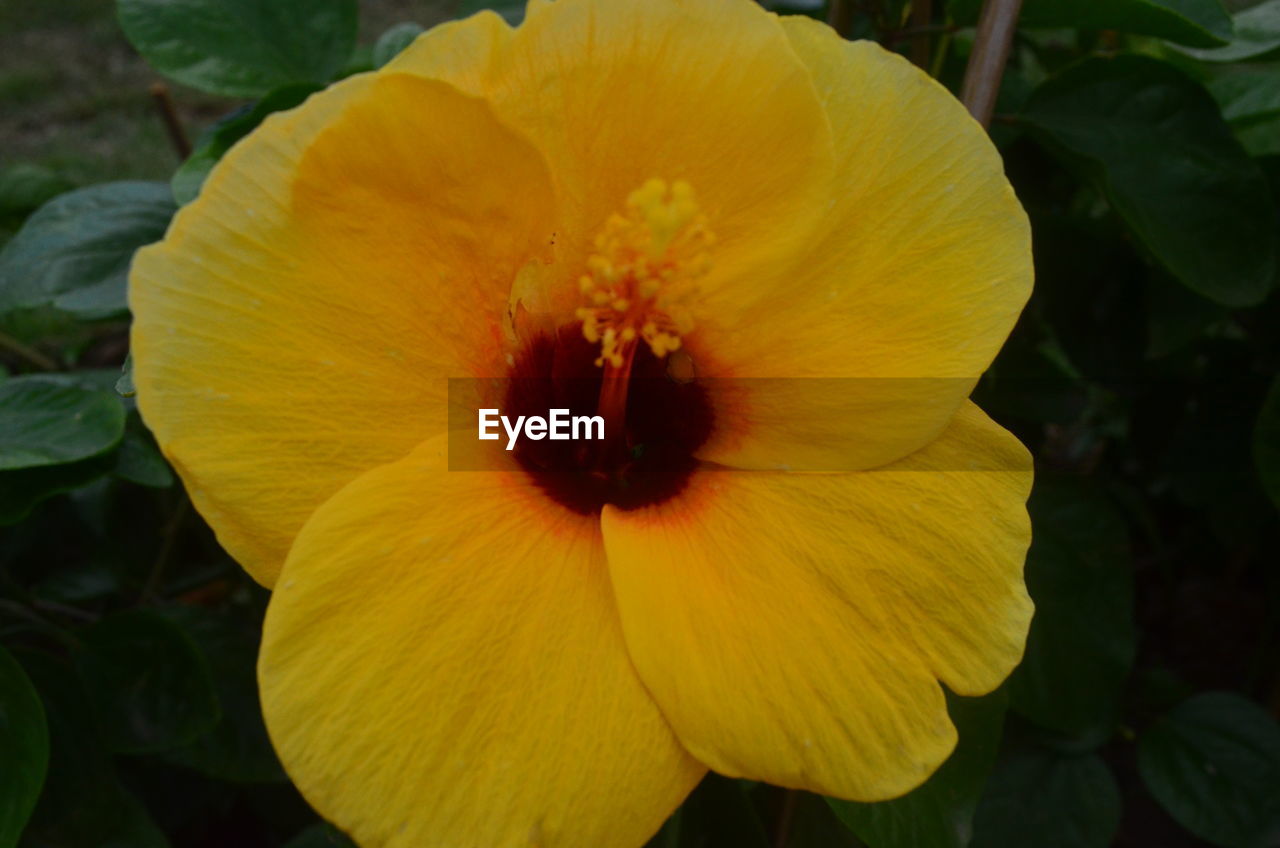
{"x":1143,"y":137}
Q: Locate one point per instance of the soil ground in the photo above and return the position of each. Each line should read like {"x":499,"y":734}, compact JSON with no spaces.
{"x":74,"y":95}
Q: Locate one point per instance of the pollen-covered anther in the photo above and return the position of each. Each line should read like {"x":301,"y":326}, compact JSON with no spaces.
{"x":640,"y":281}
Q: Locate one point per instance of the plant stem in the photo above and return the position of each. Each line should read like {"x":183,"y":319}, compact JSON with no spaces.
{"x":921,"y":18}
{"x":39,"y":622}
{"x":172,"y":123}
{"x":64,"y":610}
{"x":168,"y":542}
{"x":27,"y":352}
{"x":840,"y":16}
{"x":940,"y":55}
{"x":782,"y":827}
{"x":911,"y":32}
{"x":990,"y":53}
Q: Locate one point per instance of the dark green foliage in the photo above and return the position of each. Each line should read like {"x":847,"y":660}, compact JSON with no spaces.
{"x":1266,"y":442}
{"x":148,"y":686}
{"x":24,"y":748}
{"x":22,"y":489}
{"x":138,"y":460}
{"x":1081,"y":645}
{"x":393,"y":41}
{"x":320,"y":836}
{"x":1214,"y":763}
{"x":24,"y":188}
{"x":46,"y":421}
{"x":511,"y":10}
{"x":941,"y":811}
{"x":1150,"y":138}
{"x":242,"y":48}
{"x":73,"y":254}
{"x":719,"y":814}
{"x":1256,"y":35}
{"x":236,"y":748}
{"x":84,"y":802}
{"x":1197,"y":23}
{"x":191,"y":175}
{"x":1048,"y":799}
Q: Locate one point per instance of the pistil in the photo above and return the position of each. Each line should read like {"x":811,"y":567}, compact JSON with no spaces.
{"x":641,"y":280}
{"x":638,"y":287}
{"x":613,"y":407}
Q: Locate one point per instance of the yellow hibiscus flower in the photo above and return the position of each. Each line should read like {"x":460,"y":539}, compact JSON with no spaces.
{"x":701,"y":212}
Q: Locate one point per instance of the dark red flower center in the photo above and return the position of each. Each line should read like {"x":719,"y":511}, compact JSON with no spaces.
{"x":653,"y":423}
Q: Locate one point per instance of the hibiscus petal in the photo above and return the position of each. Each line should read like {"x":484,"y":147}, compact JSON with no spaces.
{"x":443,"y":665}
{"x":296,"y":326}
{"x":909,"y":288}
{"x":793,"y":626}
{"x":616,"y":93}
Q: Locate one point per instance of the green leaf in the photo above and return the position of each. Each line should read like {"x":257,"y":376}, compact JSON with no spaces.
{"x":1176,"y":316}
{"x":1082,"y":640}
{"x":44,"y":421}
{"x":1266,"y":442}
{"x":24,"y":749}
{"x":190,"y":176}
{"x":25,"y":187}
{"x":138,"y":460}
{"x":1247,"y":95}
{"x":1049,"y":800}
{"x":1257,"y":33}
{"x":1214,"y":763}
{"x":124,"y":383}
{"x":393,"y":41}
{"x":321,"y":835}
{"x":148,"y":685}
{"x":83,"y":804}
{"x":74,"y":253}
{"x":794,"y":7}
{"x":512,"y":11}
{"x":1260,"y":138}
{"x":1085,"y":272}
{"x":1250,"y":100}
{"x":1196,"y":23}
{"x":241,"y":48}
{"x":79,"y":583}
{"x":360,"y":61}
{"x":1030,"y":380}
{"x":939,"y":813}
{"x":237,"y":749}
{"x":1154,"y":142}
{"x":187,"y":181}
{"x":22,"y":490}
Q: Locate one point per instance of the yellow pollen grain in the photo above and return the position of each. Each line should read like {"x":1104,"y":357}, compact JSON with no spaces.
{"x":641,"y":278}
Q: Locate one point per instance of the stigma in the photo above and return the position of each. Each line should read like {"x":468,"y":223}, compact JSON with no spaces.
{"x":641,"y":278}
